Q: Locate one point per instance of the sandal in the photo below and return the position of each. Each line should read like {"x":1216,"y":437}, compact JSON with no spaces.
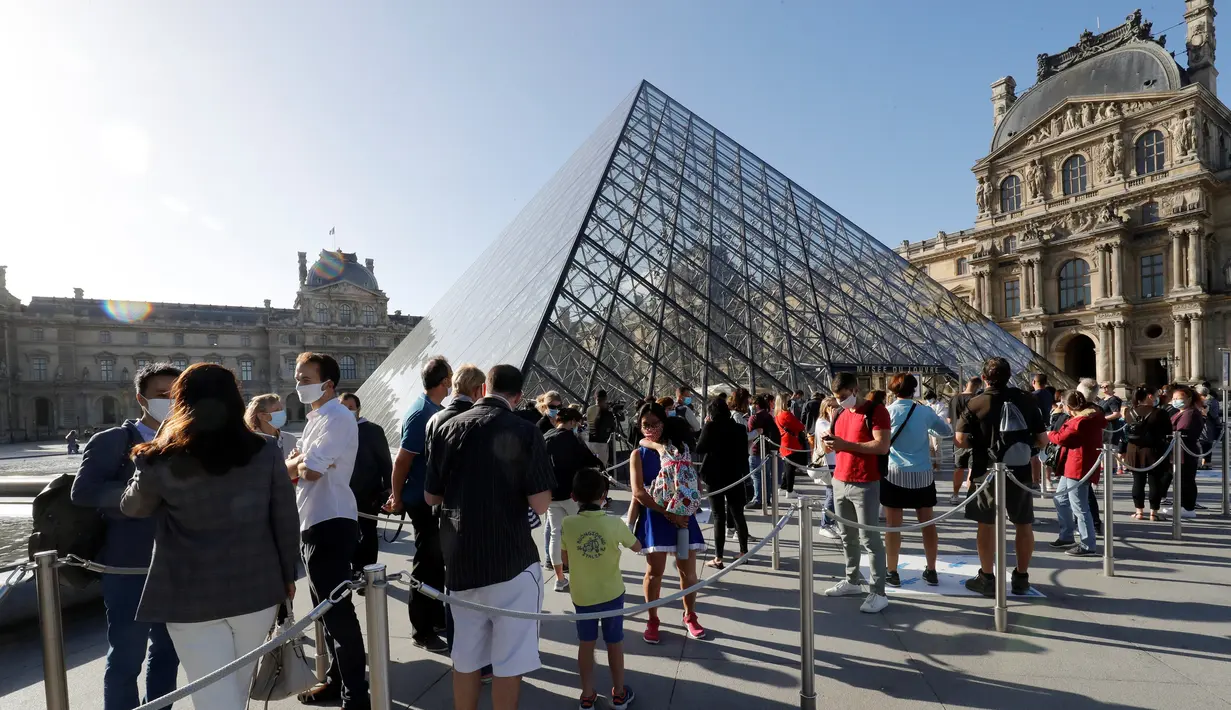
{"x":1157,"y":517}
{"x":715,"y":563}
{"x":1139,"y":515}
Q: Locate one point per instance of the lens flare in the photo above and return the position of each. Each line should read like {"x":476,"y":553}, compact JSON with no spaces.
{"x":127,"y":311}
{"x":329,"y":266}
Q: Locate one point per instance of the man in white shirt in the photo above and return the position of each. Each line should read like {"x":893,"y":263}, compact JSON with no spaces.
{"x":321,"y":466}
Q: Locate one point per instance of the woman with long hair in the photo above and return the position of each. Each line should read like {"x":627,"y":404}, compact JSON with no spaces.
{"x":761,"y":420}
{"x":723,"y":442}
{"x":1080,"y":439}
{"x":1147,"y":428}
{"x":266,"y":415}
{"x":655,"y":528}
{"x":1188,"y":423}
{"x":548,"y":404}
{"x":227,"y":531}
{"x":823,"y":457}
{"x":911,"y":482}
{"x":791,"y":446}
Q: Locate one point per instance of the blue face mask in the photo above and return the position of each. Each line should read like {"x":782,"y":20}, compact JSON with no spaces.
{"x":552,"y":413}
{"x":671,"y":413}
{"x":687,"y":400}
{"x":277,"y":419}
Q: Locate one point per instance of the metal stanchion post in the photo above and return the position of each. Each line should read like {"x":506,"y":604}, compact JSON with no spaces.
{"x":807,"y":636}
{"x":1109,"y":469}
{"x":1177,"y":463}
{"x":773,"y":494}
{"x":55,"y":672}
{"x":1226,"y":458}
{"x":1002,"y":599}
{"x":322,"y":656}
{"x":376,"y":604}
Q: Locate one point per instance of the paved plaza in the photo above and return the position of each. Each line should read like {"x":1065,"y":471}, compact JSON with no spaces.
{"x":1155,"y":636}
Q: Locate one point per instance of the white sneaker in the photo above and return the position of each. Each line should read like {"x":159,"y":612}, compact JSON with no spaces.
{"x":954,"y":500}
{"x":562,"y":585}
{"x":874,"y":604}
{"x":1166,"y":510}
{"x":1186,"y":514}
{"x":845,"y":589}
{"x":829,"y":531}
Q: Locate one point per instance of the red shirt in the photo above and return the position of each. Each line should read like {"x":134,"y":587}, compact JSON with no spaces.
{"x":852,"y":425}
{"x":789,"y":428}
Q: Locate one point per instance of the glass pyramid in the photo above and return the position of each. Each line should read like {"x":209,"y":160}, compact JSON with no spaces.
{"x":664,"y":253}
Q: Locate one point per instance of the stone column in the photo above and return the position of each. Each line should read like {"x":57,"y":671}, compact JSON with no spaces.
{"x":1177,"y":262}
{"x":1195,"y":343}
{"x":1038,"y":285}
{"x":1102,"y":368}
{"x":1117,"y":271}
{"x":1194,"y":259}
{"x":1121,"y":361}
{"x":1180,"y":361}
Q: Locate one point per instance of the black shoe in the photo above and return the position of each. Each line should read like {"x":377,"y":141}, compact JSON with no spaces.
{"x":1061,"y":544}
{"x":752,"y":505}
{"x":1080,"y":551}
{"x":930,"y":577}
{"x":982,"y":583}
{"x":431,"y":644}
{"x":1021,"y":582}
{"x":893,"y":580}
{"x":321,"y":693}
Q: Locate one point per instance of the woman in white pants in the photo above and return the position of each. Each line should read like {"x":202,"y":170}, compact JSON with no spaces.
{"x":226,"y":533}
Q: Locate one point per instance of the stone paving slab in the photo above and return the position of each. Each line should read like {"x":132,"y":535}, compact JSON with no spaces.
{"x":1154,"y":636}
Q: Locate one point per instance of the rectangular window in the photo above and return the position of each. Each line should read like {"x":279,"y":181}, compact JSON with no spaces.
{"x":245,"y":370}
{"x":142,"y":362}
{"x":143,"y":338}
{"x":370,"y":364}
{"x":1152,"y":276}
{"x":181,"y":363}
{"x":1012,"y":298}
{"x":39,"y":366}
{"x":38,"y":335}
{"x":212,"y":339}
{"x":179,"y":338}
{"x":245,"y":340}
{"x":106,"y":370}
{"x":104,"y":336}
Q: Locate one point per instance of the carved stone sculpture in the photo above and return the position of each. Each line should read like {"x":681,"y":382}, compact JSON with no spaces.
{"x":981,"y":196}
{"x":1057,"y":125}
{"x":1034,"y":180}
{"x":1186,"y":130}
{"x":1070,"y":119}
{"x":59,"y":373}
{"x":1117,"y":156}
{"x":1087,"y":115}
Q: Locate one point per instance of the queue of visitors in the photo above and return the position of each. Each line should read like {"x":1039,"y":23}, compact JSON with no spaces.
{"x":203,"y":481}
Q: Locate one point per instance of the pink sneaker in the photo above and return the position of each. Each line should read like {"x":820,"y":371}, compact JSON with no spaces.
{"x":694,"y":627}
{"x":651,"y":631}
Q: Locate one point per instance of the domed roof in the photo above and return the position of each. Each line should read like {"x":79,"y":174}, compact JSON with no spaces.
{"x":337,"y":266}
{"x":1142,"y":67}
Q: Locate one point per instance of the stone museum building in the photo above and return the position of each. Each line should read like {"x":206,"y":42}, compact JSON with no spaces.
{"x":67,"y":363}
{"x":1103,"y":233}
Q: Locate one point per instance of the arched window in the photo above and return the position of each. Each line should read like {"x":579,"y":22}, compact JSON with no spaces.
{"x":963,"y":266}
{"x":1073,"y":176}
{"x":344,"y":314}
{"x":1074,"y":285}
{"x":1151,"y":153}
{"x":1011,"y":194}
{"x":1009,"y":245}
{"x":322,"y":313}
{"x":369,"y":315}
{"x":347,"y":365}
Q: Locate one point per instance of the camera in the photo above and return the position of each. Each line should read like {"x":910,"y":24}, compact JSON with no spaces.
{"x":618,"y":410}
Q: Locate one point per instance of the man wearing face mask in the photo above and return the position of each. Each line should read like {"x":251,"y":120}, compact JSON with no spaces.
{"x":105,"y":469}
{"x":684,"y":410}
{"x":322,"y":467}
{"x":427,"y":616}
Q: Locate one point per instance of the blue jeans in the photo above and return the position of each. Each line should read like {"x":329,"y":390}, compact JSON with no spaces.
{"x":828,"y":508}
{"x":753,"y":463}
{"x":126,"y":642}
{"x":1071,"y":499}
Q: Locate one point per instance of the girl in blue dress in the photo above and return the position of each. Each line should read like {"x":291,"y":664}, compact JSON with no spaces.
{"x":656,"y":529}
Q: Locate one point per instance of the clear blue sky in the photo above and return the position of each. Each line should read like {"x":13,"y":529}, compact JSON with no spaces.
{"x":184,"y":151}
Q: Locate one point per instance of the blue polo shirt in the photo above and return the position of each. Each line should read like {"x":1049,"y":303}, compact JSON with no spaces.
{"x":414,"y":440}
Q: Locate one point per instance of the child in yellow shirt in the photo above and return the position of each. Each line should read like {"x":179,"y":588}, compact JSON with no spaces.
{"x":591,"y":545}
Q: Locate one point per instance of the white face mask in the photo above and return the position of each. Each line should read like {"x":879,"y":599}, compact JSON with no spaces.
{"x":849,"y":402}
{"x":310,"y":393}
{"x":277,"y":419}
{"x":159,"y":409}
{"x":1179,"y":403}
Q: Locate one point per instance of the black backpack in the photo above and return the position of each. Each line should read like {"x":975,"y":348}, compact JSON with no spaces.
{"x":68,"y":528}
{"x":1137,"y":430}
{"x":1011,"y":444}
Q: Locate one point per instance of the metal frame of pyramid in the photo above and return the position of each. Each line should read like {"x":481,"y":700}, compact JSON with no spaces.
{"x":664,"y":253}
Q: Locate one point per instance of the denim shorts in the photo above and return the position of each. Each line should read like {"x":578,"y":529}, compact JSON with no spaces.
{"x":613,"y":626}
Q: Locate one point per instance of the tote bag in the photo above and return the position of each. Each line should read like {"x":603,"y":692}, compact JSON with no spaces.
{"x":284,"y":671}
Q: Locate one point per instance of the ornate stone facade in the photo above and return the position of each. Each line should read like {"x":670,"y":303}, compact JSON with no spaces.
{"x":67,"y":363}
{"x":1102,"y":236}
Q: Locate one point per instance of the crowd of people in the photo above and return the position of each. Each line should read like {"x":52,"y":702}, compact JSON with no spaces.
{"x":203,"y":481}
